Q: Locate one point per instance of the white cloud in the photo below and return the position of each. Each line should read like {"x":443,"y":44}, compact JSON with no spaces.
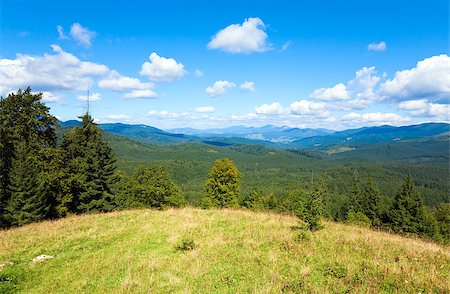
{"x":205,"y":109}
{"x":246,"y":38}
{"x":338,"y":92}
{"x":57,"y":71}
{"x":374,"y":118}
{"x":365,"y":78}
{"x":61,"y":34}
{"x":198,"y":73}
{"x":219,"y":88}
{"x":162,"y":69}
{"x":50,"y":97}
{"x":377,"y":46}
{"x":92,"y":97}
{"x":413,"y":104}
{"x":82,"y":34}
{"x":428,"y":80}
{"x":305,"y":107}
{"x":164,"y":114}
{"x":440,"y":110}
{"x":117,"y":82}
{"x":249,"y":86}
{"x":135,"y":94}
{"x":422,"y":107}
{"x":271,"y":109}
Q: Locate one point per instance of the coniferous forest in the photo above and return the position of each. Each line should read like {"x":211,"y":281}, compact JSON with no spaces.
{"x":48,"y":172}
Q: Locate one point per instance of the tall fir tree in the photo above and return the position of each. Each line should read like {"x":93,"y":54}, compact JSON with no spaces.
{"x":26,"y":127}
{"x":92,"y":166}
{"x":371,"y":201}
{"x":407,"y":213}
{"x":354,"y":203}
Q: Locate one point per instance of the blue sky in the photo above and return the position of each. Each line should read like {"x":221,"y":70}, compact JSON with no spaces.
{"x":331,"y":64}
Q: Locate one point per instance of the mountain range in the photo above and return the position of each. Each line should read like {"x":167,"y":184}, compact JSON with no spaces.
{"x":275,"y":136}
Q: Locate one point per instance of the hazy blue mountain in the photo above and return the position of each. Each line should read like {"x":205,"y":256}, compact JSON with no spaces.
{"x":273,"y":136}
{"x":271,"y":133}
{"x":371,"y":135}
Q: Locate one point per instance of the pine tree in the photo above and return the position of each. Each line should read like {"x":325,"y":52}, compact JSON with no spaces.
{"x":92,"y":166}
{"x":26,"y":204}
{"x":371,"y":200}
{"x":407,"y":213}
{"x":26,"y":127}
{"x":354,"y":202}
{"x":223,"y":184}
{"x":314,"y":206}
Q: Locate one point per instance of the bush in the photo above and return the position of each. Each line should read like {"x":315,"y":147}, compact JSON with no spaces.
{"x":358,"y":218}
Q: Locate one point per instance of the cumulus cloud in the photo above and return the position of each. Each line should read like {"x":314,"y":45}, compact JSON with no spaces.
{"x":50,"y":97}
{"x":205,"y":109}
{"x":271,"y":109}
{"x":136,"y":94}
{"x":136,"y":89}
{"x":306,"y":107}
{"x":162,"y":69}
{"x":92,"y":97}
{"x":246,"y":38}
{"x":219,"y":88}
{"x":338,"y":92}
{"x":57,"y":71}
{"x":422,"y":107}
{"x":374,"y":118}
{"x":377,"y":46}
{"x":82,"y":35}
{"x":249,"y":86}
{"x":428,"y":80}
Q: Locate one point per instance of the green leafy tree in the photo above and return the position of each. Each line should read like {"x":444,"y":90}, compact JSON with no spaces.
{"x":92,"y":166}
{"x":407,"y":213}
{"x":223,"y":184}
{"x":149,"y":187}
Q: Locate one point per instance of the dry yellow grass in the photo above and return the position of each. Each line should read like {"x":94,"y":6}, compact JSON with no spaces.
{"x":236,"y":251}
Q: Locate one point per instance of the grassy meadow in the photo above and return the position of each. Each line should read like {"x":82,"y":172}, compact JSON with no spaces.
{"x":234,"y":251}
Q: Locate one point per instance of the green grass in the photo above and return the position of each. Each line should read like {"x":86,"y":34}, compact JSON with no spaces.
{"x":232,"y":251}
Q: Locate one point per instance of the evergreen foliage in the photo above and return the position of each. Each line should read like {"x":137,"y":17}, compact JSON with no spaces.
{"x":407,"y":214}
{"x":92,"y":166}
{"x":223,"y":184}
{"x":371,"y":202}
{"x":26,"y":129}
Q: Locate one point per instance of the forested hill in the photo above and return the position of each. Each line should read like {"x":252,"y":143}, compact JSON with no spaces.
{"x":272,"y":136}
{"x":279,"y":171}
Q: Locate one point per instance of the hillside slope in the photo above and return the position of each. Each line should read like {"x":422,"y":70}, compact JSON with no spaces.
{"x":235,"y":251}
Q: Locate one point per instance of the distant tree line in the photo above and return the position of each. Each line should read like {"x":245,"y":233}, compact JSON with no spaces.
{"x":43,"y":179}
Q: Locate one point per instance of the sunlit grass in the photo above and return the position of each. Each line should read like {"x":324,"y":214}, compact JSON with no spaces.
{"x":235,"y":251}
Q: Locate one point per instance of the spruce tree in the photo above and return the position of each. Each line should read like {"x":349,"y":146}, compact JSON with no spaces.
{"x":223,"y":184}
{"x":26,"y":204}
{"x":92,"y":166}
{"x":26,"y":127}
{"x":371,"y":201}
{"x":407,"y":213}
{"x":354,"y":201}
{"x":313,"y":206}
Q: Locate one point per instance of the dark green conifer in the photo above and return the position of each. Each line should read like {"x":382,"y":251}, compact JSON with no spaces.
{"x":407,"y":213}
{"x":92,"y":166}
{"x":371,"y":201}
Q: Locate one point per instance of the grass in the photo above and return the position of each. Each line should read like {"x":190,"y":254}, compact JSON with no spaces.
{"x":235,"y":251}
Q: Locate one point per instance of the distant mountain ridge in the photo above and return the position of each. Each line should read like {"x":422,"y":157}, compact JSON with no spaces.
{"x":274,"y":136}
